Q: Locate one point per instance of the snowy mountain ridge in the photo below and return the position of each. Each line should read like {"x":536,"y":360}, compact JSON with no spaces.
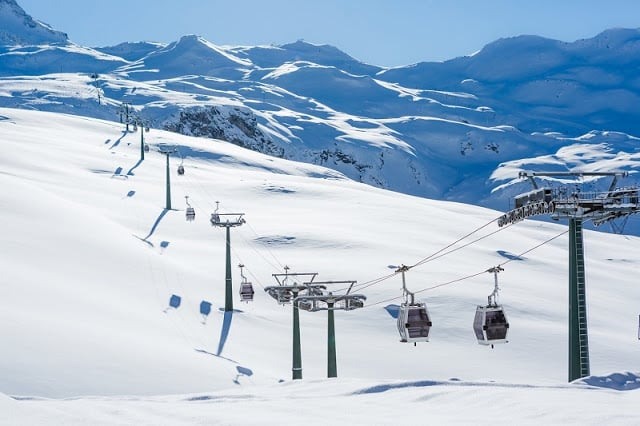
{"x":19,"y":28}
{"x":446,"y":130}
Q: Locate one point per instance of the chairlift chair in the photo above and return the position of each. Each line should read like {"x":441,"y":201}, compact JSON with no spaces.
{"x":414,"y":322}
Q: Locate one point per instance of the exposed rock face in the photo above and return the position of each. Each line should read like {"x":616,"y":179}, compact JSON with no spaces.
{"x":233,"y":124}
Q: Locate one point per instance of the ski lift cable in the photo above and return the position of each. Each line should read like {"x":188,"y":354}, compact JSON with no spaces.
{"x":211,"y":205}
{"x":472,"y":275}
{"x":266,"y":260}
{"x":239,"y":260}
{"x":267,"y":248}
{"x":430,"y":257}
{"x":438,"y":254}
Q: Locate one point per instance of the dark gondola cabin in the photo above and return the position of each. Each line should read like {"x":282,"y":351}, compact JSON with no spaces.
{"x":246,"y":292}
{"x":146,"y":147}
{"x":490,"y":325}
{"x":180,"y":170}
{"x":190,"y":214}
{"x":414,"y":322}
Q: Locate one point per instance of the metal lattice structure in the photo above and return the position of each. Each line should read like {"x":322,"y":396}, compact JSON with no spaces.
{"x":561,"y":203}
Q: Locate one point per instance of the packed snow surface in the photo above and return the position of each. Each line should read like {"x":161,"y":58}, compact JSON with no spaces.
{"x":92,"y":263}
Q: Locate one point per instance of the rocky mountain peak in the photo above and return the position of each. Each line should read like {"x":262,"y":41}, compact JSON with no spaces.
{"x":19,"y":28}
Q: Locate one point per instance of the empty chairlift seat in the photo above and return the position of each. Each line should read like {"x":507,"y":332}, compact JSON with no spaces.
{"x":490,"y":325}
{"x":414,"y":322}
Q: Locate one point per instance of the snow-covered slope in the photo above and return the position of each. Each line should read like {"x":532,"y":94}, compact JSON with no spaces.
{"x":91,"y":261}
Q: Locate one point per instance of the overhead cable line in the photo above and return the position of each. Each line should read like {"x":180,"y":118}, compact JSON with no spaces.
{"x":438,"y":254}
{"x":472,"y":275}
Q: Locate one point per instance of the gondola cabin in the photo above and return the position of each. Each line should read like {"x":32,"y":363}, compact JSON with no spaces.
{"x":181,"y":170}
{"x":190,"y":214}
{"x":414,"y":322}
{"x":490,"y":325}
{"x":146,"y":147}
{"x":246,"y":292}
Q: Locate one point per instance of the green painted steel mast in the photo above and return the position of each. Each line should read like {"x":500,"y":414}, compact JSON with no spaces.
{"x":578,"y":332}
{"x":168,"y":191}
{"x":141,"y":142}
{"x":598,"y":207}
{"x":332,"y":364}
{"x":228,"y":290}
{"x":228,"y":221}
{"x":296,"y":369}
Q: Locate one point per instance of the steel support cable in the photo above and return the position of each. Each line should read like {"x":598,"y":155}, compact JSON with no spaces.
{"x":535,"y":247}
{"x":249,"y":272}
{"x":210,"y":204}
{"x":266,"y":248}
{"x":469,"y":276}
{"x":437,"y":255}
{"x":253,"y":248}
{"x":428,"y":258}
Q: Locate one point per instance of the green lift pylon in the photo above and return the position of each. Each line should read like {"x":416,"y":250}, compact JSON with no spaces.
{"x":598,"y":207}
{"x":332,"y":364}
{"x":578,"y":333}
{"x":143,"y":147}
{"x":296,"y":361}
{"x":331,"y":303}
{"x":227,"y":221}
{"x":286,"y":292}
{"x":168,"y":152}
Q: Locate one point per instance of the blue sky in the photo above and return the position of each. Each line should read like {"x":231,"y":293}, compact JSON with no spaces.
{"x":380,"y":32}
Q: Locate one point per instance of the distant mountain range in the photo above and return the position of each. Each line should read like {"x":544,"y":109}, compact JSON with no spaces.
{"x":456,"y":130}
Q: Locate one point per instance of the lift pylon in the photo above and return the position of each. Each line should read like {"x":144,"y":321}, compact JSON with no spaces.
{"x":168,"y":152}
{"x":227,"y":221}
{"x":287,"y":291}
{"x":331,"y":303}
{"x":560,"y":203}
